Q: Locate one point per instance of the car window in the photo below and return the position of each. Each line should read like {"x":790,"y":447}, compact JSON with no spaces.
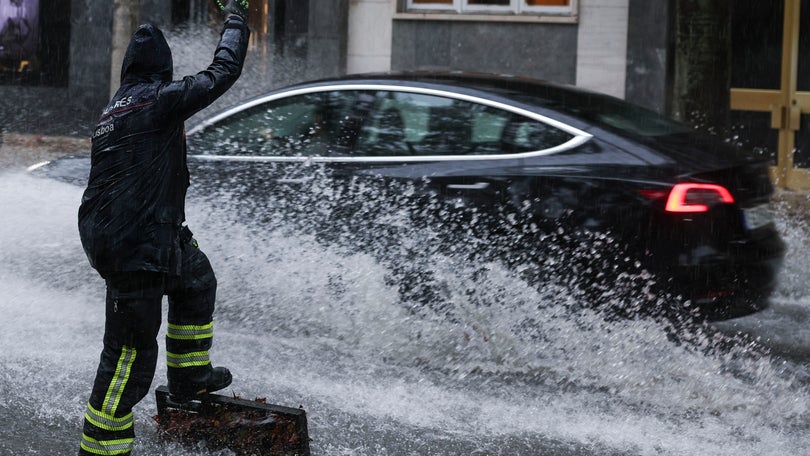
{"x":404,"y":123}
{"x":313,"y":124}
{"x":606,"y":111}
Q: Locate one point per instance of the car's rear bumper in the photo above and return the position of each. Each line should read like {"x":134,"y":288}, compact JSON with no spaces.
{"x":736,"y":284}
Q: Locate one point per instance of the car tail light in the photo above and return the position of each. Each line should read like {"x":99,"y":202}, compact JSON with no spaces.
{"x":693,"y":197}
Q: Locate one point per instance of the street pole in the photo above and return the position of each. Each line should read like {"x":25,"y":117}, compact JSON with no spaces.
{"x":126,"y":16}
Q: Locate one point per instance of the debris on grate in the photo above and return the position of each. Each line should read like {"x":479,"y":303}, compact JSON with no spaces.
{"x":242,"y":426}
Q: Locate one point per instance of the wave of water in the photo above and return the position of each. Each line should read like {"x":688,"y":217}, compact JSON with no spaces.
{"x":510,"y":369}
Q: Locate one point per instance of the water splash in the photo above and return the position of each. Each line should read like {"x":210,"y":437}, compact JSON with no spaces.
{"x":193,"y":48}
{"x":493,"y":362}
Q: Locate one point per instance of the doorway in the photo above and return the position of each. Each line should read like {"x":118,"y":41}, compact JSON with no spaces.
{"x":770,"y":80}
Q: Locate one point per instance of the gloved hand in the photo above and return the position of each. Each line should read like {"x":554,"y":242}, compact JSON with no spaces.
{"x":234,"y":7}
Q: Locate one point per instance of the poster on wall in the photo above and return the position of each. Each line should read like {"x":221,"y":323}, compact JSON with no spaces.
{"x":19,"y":34}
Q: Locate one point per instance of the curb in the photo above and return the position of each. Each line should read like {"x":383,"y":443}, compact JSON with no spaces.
{"x":19,"y":150}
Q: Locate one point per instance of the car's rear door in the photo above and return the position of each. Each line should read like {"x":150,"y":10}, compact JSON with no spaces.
{"x":465,"y":147}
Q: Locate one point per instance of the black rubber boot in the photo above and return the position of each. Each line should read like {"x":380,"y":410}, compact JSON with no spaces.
{"x":195,"y":383}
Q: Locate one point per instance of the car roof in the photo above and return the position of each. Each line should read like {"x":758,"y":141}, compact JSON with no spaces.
{"x":523,"y":91}
{"x":581,"y":108}
{"x":504,"y":85}
{"x":463,"y":78}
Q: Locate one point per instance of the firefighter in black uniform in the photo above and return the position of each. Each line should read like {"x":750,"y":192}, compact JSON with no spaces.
{"x":131,"y":223}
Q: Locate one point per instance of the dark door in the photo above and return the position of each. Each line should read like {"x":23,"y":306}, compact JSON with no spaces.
{"x":770,"y":95}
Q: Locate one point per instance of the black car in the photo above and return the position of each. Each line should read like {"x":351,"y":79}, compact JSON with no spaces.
{"x":532,"y":158}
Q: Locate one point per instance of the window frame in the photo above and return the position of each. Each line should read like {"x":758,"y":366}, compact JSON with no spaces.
{"x":461,"y":121}
{"x":295,"y":136}
{"x":518,"y":7}
{"x":578,"y":136}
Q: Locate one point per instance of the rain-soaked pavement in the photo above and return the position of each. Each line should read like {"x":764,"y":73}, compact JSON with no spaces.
{"x":303,"y":323}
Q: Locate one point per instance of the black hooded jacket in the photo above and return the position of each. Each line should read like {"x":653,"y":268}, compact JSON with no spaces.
{"x":134,"y":204}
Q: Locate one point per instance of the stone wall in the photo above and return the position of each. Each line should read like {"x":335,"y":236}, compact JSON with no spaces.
{"x":542,"y":50}
{"x":650,"y":48}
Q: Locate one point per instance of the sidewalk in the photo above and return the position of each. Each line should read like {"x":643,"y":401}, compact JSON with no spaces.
{"x":795,"y":204}
{"x":23,"y":150}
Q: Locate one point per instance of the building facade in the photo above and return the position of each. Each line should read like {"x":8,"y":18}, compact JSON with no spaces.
{"x":733,"y":68}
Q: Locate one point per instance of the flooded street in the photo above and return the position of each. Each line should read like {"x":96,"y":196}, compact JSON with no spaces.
{"x":307,"y":324}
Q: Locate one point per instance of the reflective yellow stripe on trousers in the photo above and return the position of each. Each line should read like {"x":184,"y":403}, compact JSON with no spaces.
{"x":190,"y":332}
{"x":119,"y":380}
{"x":192,"y":359}
{"x":107,"y":447}
{"x":106,"y":421}
{"x":105,"y":418}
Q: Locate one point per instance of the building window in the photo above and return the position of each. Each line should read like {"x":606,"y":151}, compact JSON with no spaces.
{"x":19,"y":31}
{"x":34,"y":40}
{"x":494,"y":6}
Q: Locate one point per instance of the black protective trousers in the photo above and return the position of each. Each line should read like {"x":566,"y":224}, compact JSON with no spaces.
{"x":129,"y":358}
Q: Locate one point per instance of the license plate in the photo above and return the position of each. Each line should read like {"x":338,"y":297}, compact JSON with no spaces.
{"x":757,"y":217}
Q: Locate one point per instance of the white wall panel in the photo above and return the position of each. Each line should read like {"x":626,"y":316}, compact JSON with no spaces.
{"x":602,"y":46}
{"x":370,"y":27}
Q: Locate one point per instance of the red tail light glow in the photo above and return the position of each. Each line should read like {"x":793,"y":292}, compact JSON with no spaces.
{"x":693,"y":197}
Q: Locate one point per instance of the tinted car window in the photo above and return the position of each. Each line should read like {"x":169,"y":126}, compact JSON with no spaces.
{"x":607,"y":112}
{"x":303,"y":125}
{"x":403,"y":123}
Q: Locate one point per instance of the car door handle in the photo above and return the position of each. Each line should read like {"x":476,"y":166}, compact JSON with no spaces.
{"x":475,"y":186}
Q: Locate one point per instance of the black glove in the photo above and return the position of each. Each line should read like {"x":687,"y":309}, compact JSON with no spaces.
{"x":234,"y":8}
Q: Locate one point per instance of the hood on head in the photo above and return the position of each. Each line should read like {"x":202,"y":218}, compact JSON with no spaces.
{"x":148,"y":56}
